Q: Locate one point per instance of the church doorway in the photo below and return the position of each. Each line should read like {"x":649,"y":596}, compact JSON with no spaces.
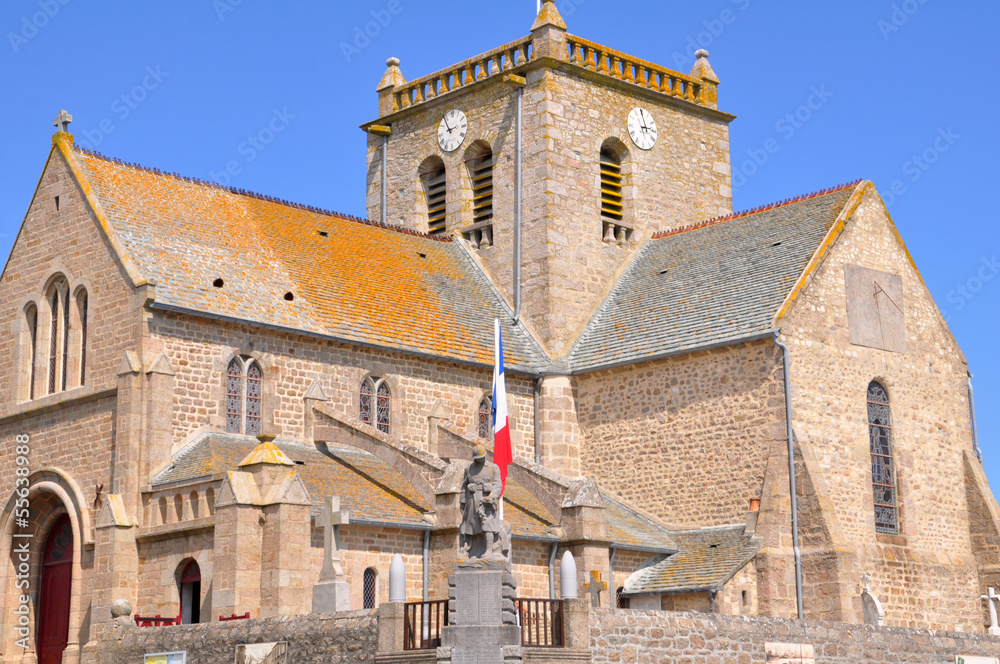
{"x":191,"y":594}
{"x":56,"y":588}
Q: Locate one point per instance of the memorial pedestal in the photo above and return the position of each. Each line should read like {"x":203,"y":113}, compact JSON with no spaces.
{"x":331,"y":596}
{"x":482,"y":617}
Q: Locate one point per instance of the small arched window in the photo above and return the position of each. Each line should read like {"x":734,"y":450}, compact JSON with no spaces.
{"x":31,"y":320}
{"x":81,"y":305}
{"x":611,"y":185}
{"x":190,"y":591}
{"x":480,"y":161}
{"x":433,"y":177}
{"x":883,"y":472}
{"x":244,"y":396}
{"x":485,"y":417}
{"x":375,"y":403}
{"x":369,"y":588}
{"x":53,"y":337}
{"x":622,"y":602}
{"x":65,"y":339}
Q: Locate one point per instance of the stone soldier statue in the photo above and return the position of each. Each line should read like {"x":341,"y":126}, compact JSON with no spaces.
{"x":483,"y":534}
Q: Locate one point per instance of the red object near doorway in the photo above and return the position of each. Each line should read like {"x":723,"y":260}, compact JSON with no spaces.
{"x":56,"y":586}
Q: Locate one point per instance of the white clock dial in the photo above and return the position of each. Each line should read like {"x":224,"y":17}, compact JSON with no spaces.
{"x":642,"y":128}
{"x":452,"y":130}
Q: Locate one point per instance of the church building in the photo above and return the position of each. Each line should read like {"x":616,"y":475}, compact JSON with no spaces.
{"x":759,"y":413}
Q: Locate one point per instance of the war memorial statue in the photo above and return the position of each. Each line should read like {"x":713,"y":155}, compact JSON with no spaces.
{"x":483,"y":534}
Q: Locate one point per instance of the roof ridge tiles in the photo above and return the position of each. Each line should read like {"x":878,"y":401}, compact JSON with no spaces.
{"x":756,"y":210}
{"x":253,"y":194}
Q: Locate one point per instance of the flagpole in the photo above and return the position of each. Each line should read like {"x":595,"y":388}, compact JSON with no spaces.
{"x":496,"y":346}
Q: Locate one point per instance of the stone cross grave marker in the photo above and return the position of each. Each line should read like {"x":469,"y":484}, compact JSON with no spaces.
{"x":595,"y":588}
{"x":331,"y":592}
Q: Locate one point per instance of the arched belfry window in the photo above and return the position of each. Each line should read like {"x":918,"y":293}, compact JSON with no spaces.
{"x":434,"y":180}
{"x":485,"y":417}
{"x":58,"y":301}
{"x":244,"y":396}
{"x":374,"y":403}
{"x":883,"y":471}
{"x":190,"y":591}
{"x":479,"y":160}
{"x":611,"y":184}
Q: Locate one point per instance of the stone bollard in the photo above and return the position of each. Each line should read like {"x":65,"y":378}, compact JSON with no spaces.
{"x":397,"y":580}
{"x":567,"y":577}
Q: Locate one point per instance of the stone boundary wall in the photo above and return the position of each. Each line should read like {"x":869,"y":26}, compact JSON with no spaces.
{"x":342,"y":638}
{"x":648,"y":637}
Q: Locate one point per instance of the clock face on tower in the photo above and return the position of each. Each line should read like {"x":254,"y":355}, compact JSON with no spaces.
{"x":452,"y":130}
{"x":642,"y":128}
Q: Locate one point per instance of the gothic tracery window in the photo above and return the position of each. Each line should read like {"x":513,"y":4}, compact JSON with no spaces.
{"x":244,"y":396}
{"x":883,"y":471}
{"x":485,"y":417}
{"x":375,"y":403}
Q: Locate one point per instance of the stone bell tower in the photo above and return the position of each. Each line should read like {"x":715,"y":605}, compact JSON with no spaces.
{"x":613,"y":149}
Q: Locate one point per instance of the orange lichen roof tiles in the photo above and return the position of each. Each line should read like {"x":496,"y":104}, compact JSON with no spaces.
{"x":266,"y":453}
{"x":299,"y":268}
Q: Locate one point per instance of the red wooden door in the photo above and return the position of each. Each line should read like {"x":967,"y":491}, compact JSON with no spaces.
{"x":57,"y":583}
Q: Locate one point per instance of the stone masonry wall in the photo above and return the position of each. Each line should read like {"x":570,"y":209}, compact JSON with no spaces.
{"x":685,"y":437}
{"x":926,"y":575}
{"x":341,"y":638}
{"x":651,"y":637}
{"x":199,"y":350}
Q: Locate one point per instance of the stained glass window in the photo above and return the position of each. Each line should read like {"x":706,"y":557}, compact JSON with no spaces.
{"x":254,"y":382}
{"x":234,"y":396}
{"x":368,"y":592}
{"x":82,"y":301}
{"x":382,"y":407}
{"x":366,"y":401}
{"x":53,"y":339}
{"x":485,"y":417}
{"x":883,"y":473}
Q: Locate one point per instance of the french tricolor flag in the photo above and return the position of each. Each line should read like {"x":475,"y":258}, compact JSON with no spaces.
{"x":502,"y":454}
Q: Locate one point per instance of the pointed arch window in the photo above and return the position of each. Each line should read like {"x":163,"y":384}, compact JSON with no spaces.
{"x":883,"y":471}
{"x":375,"y":402}
{"x":485,"y":417}
{"x":65,"y":339}
{"x":53,"y":337}
{"x":433,"y":177}
{"x":81,"y":304}
{"x":31,"y":319}
{"x":244,"y":396}
{"x":369,"y":588}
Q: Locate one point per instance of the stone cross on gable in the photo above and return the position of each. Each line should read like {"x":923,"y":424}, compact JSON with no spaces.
{"x":62,"y":122}
{"x":595,"y":588}
{"x":991,"y":597}
{"x":332,"y":517}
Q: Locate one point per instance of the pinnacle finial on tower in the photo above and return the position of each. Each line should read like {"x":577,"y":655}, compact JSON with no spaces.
{"x":548,"y":15}
{"x":62,"y":122}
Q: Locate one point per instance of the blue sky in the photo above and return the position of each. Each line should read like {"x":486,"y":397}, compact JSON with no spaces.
{"x":908,"y":92}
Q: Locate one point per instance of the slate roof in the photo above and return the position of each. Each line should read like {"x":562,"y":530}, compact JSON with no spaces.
{"x":705,"y":560}
{"x":711,"y":283}
{"x":361,"y":282}
{"x":629,"y":529}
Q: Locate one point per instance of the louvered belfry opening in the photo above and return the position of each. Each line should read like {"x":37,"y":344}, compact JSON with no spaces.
{"x":481,"y":173}
{"x":611,"y":185}
{"x":432,"y":173}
